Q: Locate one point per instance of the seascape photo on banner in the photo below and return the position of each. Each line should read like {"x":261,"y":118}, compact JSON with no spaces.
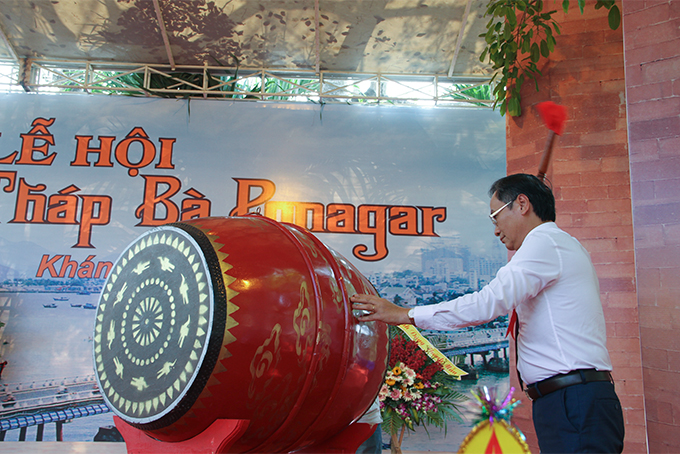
{"x":401,"y":193}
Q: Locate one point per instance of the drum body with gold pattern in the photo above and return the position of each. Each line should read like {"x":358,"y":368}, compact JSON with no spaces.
{"x":236,"y":318}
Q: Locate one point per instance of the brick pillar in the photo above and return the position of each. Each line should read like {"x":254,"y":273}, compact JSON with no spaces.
{"x":590,"y":176}
{"x":652,"y":50}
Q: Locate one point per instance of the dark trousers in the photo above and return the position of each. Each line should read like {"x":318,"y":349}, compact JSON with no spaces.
{"x":373,"y":444}
{"x":580,"y":418}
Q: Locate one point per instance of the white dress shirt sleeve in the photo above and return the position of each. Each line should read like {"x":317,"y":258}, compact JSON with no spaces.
{"x":535,"y":266}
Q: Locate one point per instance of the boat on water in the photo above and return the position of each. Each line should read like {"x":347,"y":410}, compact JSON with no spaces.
{"x":50,"y":306}
{"x":76,"y":305}
{"x":60,"y":298}
{"x":89,"y":306}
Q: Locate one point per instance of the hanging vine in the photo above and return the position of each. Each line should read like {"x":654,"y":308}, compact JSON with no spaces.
{"x":518,"y":34}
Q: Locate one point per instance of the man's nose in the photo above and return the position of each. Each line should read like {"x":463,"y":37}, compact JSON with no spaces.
{"x":496,"y":231}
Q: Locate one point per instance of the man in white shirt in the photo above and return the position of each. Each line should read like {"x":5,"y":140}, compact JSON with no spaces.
{"x":561,"y":347}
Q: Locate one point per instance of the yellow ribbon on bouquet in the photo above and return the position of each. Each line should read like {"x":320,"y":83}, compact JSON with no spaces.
{"x":432,"y":351}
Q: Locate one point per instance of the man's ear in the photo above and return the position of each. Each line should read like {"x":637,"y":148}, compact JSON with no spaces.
{"x":524,"y":204}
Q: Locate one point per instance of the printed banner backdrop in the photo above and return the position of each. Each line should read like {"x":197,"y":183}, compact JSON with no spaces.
{"x":404,"y":192}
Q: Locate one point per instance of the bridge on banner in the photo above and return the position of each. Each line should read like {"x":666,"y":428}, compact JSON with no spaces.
{"x":49,"y":401}
{"x":491,"y":344}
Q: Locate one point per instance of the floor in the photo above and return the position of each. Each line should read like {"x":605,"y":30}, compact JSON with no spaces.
{"x":54,"y":447}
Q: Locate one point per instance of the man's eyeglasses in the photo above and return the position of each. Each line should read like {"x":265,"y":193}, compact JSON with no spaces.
{"x":495,"y":213}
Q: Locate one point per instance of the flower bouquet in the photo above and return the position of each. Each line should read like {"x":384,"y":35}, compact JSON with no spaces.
{"x":417,"y":390}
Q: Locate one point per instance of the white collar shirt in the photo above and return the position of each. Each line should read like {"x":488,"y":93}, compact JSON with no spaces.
{"x":551,"y":282}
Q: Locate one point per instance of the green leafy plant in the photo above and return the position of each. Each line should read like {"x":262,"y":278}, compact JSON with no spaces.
{"x":518,"y":33}
{"x":480,"y":91}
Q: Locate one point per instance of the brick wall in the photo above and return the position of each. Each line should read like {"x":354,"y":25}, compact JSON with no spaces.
{"x":590,"y":176}
{"x":652,"y":64}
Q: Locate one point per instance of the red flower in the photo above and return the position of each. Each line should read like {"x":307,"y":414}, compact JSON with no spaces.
{"x":407,"y":351}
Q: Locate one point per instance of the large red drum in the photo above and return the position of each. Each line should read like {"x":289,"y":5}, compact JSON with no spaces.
{"x":236,"y":318}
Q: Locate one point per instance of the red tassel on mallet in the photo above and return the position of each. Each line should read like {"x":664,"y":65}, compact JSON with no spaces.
{"x":554,"y":116}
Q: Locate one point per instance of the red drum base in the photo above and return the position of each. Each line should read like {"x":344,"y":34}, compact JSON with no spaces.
{"x":242,"y":319}
{"x":217,"y":438}
{"x":223,"y":433}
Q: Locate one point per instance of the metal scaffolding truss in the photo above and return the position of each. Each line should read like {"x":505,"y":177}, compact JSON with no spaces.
{"x":233,"y":83}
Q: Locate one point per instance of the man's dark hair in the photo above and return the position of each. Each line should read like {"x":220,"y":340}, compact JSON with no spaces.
{"x":541,"y":197}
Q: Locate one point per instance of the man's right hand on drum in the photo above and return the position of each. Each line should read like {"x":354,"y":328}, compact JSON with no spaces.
{"x":379,"y":309}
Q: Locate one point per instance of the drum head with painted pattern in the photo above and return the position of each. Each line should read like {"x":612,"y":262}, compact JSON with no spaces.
{"x":159,"y":326}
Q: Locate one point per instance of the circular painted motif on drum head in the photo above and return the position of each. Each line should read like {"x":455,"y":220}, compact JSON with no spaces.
{"x":153,"y":325}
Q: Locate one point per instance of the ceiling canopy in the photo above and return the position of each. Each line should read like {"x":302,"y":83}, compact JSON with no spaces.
{"x":375,"y":36}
